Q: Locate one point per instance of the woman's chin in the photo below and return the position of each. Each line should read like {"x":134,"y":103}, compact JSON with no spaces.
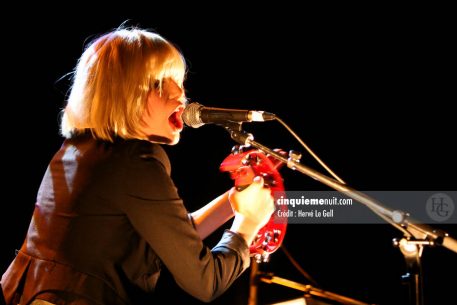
{"x":173,"y":141}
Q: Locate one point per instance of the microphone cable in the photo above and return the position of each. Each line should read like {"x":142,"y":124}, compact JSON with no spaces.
{"x":384,"y":217}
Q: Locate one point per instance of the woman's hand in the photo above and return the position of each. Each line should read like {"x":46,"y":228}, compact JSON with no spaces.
{"x":253,"y":207}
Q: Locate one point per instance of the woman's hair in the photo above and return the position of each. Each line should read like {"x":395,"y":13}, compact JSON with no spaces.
{"x":112,"y":80}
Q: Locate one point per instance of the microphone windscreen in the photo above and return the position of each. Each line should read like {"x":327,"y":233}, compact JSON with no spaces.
{"x":191,"y":115}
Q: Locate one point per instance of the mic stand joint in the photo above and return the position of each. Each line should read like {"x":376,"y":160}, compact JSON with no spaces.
{"x":237,"y":134}
{"x":412,"y":251}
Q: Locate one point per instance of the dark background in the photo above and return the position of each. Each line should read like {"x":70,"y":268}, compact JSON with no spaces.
{"x":368,"y":88}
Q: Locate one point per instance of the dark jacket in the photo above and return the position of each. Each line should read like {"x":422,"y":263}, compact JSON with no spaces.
{"x":107,"y":217}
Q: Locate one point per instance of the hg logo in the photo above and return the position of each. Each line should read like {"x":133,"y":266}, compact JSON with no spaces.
{"x":439,"y":207}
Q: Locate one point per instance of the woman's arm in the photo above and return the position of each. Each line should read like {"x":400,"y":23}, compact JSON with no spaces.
{"x":212,"y":216}
{"x":253,"y":207}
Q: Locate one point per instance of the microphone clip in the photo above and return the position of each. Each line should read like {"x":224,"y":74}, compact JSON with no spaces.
{"x":237,"y":133}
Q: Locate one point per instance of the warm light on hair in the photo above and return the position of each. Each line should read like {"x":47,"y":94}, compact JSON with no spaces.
{"x":112,"y":80}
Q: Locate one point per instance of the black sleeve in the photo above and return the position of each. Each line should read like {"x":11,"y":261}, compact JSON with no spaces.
{"x":155,"y":210}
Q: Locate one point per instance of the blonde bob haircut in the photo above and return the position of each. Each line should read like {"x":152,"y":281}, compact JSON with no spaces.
{"x":112,"y":80}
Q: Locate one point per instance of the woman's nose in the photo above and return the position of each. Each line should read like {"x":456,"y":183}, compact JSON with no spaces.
{"x":175,"y":92}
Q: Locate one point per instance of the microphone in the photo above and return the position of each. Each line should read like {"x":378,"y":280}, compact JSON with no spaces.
{"x":196,"y":115}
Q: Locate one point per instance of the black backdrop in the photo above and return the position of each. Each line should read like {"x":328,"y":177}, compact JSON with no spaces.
{"x":369,"y":89}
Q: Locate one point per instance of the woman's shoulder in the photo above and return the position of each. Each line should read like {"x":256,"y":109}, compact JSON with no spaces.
{"x":144,"y":151}
{"x":120,"y":152}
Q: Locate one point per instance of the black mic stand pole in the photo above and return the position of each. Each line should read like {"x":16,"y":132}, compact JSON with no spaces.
{"x":416,"y":235}
{"x":253,"y":282}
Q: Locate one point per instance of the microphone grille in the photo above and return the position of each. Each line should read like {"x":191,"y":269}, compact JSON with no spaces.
{"x":191,"y":115}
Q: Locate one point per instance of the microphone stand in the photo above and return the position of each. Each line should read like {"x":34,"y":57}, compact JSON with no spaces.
{"x":415,"y":235}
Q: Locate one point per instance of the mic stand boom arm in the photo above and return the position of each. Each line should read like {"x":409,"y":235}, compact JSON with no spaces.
{"x":415,"y":235}
{"x":395,"y":217}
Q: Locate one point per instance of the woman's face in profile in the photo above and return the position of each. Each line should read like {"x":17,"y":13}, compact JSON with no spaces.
{"x":162,"y":121}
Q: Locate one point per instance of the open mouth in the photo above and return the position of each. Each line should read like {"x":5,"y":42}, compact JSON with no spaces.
{"x":175,"y":119}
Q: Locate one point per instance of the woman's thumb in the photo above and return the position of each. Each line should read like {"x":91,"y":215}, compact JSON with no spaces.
{"x":259,"y":180}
